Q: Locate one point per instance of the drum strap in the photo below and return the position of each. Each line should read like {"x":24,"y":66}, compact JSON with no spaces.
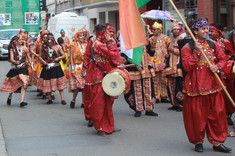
{"x":92,"y":57}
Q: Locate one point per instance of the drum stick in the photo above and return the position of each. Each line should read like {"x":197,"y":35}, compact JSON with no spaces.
{"x":191,"y":34}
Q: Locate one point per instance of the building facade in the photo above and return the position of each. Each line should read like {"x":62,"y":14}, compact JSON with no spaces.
{"x":106,"y":11}
{"x":98,"y":11}
{"x":20,"y":14}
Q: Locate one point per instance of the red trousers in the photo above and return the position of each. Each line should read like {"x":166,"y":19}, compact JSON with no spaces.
{"x":205,"y":113}
{"x":100,"y":109}
{"x":230,"y":85}
{"x":87,"y":101}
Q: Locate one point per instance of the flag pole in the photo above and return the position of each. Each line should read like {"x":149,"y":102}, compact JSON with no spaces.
{"x":193,"y":37}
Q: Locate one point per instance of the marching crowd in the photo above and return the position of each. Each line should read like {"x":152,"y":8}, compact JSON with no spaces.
{"x":172,"y":70}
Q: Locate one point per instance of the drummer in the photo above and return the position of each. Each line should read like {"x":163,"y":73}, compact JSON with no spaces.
{"x":97,"y":62}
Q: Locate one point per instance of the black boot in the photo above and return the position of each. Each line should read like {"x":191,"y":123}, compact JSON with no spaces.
{"x":90,"y":123}
{"x":151,"y":113}
{"x":49,"y":102}
{"x":72,"y":104}
{"x":222,"y":148}
{"x":199,"y":148}
{"x":8,"y":101}
{"x":137,"y":114}
{"x":82,"y":105}
{"x":22,"y":104}
{"x":63,"y":102}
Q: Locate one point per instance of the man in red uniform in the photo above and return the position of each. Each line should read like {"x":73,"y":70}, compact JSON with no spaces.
{"x":217,"y":35}
{"x":99,"y":60}
{"x":204,"y":109}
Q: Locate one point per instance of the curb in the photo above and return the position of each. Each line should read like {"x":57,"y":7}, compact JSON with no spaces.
{"x":3,"y":151}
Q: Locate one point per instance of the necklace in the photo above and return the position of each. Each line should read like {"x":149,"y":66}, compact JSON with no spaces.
{"x":50,"y":52}
{"x":20,"y":52}
{"x":81,"y":47}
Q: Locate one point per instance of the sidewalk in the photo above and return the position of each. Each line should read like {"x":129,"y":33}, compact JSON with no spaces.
{"x":3,"y":151}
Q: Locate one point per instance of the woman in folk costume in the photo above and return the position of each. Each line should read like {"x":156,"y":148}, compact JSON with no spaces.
{"x":173,"y":69}
{"x":17,"y":78}
{"x":77,"y":50}
{"x":36,"y":63}
{"x":52,"y":77}
{"x":64,"y":63}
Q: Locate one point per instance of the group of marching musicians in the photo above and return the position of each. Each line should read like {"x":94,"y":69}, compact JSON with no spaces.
{"x":171,"y":71}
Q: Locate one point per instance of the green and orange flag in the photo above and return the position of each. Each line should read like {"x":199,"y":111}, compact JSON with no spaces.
{"x":132,"y":36}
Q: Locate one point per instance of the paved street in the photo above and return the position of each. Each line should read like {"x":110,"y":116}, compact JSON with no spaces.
{"x":57,"y":130}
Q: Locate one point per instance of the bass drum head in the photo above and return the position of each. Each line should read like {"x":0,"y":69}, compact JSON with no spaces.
{"x":113,"y":84}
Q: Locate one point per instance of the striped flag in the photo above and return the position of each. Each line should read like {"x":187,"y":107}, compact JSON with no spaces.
{"x":132,"y":33}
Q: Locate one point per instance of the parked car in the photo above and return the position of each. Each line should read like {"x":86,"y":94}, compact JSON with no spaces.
{"x":5,"y":37}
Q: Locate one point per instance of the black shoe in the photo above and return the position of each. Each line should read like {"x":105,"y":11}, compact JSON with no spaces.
{"x":151,"y":113}
{"x":39,"y":94}
{"x":230,"y":121}
{"x":137,"y":114}
{"x":90,"y":123}
{"x":8,"y":101}
{"x":22,"y":104}
{"x":72,"y":104}
{"x":222,"y":148}
{"x":165,"y":101}
{"x":157,"y":101}
{"x":49,"y":102}
{"x":199,"y":148}
{"x":63,"y":102}
{"x":53,"y":97}
{"x":82,"y":105}
{"x":44,"y":97}
{"x":180,"y":109}
{"x":101,"y":133}
{"x":173,"y":108}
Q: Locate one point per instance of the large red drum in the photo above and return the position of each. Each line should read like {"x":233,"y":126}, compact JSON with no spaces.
{"x":116,"y":82}
{"x":229,"y":70}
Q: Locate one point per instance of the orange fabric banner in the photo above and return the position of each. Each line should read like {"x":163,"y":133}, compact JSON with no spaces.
{"x":131,"y":28}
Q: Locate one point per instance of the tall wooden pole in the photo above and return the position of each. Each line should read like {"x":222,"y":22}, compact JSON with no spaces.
{"x":191,"y":34}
